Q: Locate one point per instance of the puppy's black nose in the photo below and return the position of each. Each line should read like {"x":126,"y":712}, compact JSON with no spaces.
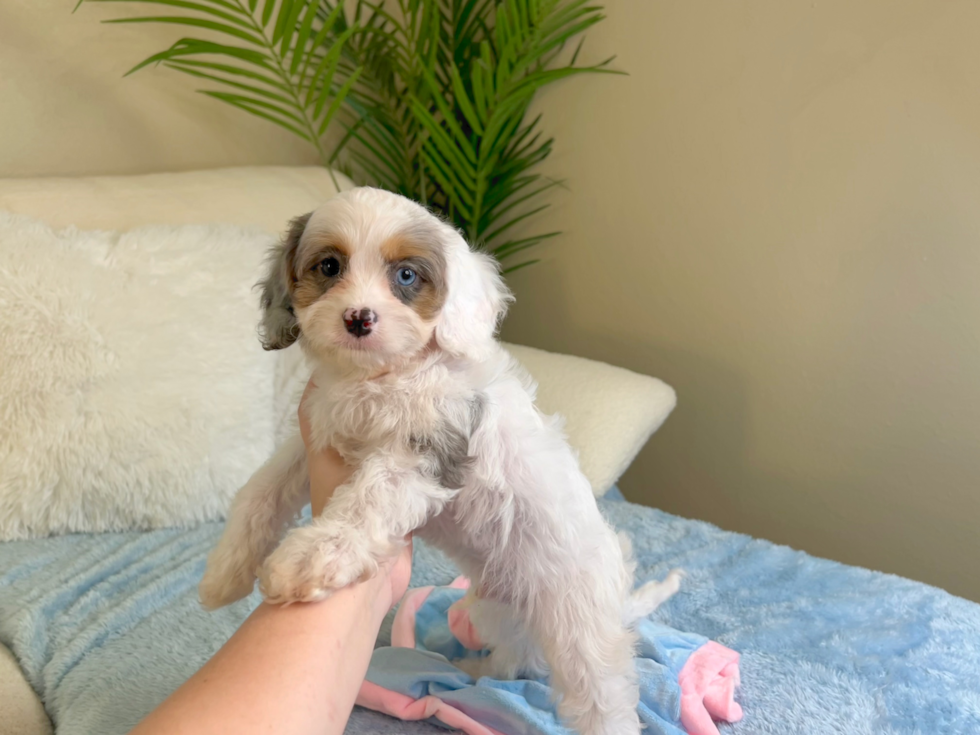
{"x":360,"y":322}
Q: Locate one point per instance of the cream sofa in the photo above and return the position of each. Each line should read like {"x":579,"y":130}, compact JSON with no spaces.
{"x":609,"y":412}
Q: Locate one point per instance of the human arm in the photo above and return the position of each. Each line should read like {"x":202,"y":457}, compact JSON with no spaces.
{"x":292,"y":669}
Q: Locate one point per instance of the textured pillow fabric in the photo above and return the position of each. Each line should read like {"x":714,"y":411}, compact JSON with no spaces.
{"x":133,"y":390}
{"x":263,"y":196}
{"x":609,"y":412}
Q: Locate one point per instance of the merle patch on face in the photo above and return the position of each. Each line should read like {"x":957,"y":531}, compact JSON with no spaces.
{"x":416,"y":273}
{"x":324,"y":268}
{"x":279,"y":327}
{"x":409,"y":278}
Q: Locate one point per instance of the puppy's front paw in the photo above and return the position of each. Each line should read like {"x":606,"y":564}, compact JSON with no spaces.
{"x":225,"y":581}
{"x":313,"y":562}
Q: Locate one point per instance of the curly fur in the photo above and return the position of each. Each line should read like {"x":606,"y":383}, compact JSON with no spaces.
{"x":440,"y":426}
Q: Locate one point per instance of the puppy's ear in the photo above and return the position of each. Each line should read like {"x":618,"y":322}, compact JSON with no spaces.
{"x":279,"y":328}
{"x":476,"y":301}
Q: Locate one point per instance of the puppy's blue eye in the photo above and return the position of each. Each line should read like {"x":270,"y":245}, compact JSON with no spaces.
{"x":405,"y":276}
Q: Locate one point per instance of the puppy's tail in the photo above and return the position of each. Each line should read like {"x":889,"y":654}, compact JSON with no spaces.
{"x":644,"y":600}
{"x":649,"y":597}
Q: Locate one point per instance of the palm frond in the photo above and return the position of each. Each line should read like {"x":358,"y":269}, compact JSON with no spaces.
{"x":268,"y":61}
{"x":429,"y":98}
{"x":481,"y":151}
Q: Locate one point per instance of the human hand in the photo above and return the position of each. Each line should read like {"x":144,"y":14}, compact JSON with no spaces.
{"x":326,"y":467}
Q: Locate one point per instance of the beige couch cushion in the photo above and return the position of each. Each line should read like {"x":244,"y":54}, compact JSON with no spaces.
{"x":21,"y":712}
{"x":266,"y":196}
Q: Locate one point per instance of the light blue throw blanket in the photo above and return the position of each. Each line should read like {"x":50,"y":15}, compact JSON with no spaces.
{"x":685,"y":680}
{"x":107,"y":626}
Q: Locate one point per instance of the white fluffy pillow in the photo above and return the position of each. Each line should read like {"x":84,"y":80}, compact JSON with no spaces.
{"x":133,"y":390}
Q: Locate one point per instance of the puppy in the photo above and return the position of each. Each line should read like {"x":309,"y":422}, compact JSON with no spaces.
{"x":398,"y":316}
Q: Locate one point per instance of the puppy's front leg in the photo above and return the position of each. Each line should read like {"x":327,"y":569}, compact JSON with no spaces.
{"x":364,"y":523}
{"x":260,"y":511}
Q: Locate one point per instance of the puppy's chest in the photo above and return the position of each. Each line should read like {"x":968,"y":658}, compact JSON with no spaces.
{"x":429,"y":425}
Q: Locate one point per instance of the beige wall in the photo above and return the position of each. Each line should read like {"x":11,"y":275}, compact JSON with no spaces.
{"x":66,"y":109}
{"x":778,"y":212}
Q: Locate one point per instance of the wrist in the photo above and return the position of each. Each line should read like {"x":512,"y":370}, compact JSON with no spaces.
{"x":377,"y":591}
{"x":368,"y":601}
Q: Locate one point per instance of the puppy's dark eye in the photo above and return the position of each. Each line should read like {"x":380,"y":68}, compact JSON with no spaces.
{"x":405,"y":276}
{"x":330,"y":267}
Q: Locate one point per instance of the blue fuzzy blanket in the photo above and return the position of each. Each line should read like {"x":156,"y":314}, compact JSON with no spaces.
{"x":107,"y":626}
{"x":685,"y":680}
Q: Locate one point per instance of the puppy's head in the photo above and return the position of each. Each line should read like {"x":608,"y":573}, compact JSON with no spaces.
{"x":371,"y":278}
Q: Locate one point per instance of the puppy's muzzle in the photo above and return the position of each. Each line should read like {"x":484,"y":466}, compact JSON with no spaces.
{"x":360,"y":322}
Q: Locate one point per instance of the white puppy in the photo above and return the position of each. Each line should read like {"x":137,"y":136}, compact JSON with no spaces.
{"x":440,"y":426}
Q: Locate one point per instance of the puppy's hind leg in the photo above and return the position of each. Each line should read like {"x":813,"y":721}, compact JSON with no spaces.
{"x":513,"y":652}
{"x":258,"y":516}
{"x":590,"y":653}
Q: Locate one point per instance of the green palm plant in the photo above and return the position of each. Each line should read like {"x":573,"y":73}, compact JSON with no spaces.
{"x":428,"y":98}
